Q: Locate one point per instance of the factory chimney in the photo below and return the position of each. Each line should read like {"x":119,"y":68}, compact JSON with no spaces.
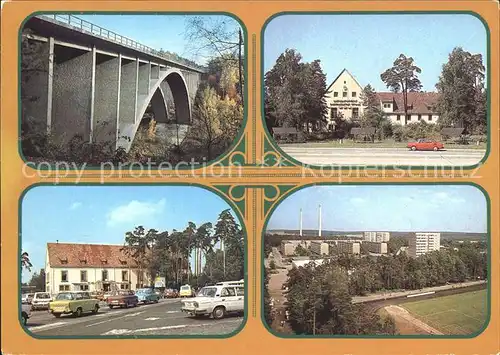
{"x":300,"y":231}
{"x":319,"y":217}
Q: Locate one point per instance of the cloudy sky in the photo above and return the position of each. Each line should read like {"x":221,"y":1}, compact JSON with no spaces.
{"x":103,"y":214}
{"x":454,"y":208}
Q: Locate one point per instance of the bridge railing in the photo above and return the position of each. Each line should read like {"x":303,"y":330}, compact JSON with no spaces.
{"x":97,"y":30}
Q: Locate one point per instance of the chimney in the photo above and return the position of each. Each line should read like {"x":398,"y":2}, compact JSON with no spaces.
{"x":300,"y":233}
{"x":319,"y":216}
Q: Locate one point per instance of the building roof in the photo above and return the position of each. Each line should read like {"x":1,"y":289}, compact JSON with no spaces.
{"x":338,"y":76}
{"x":421,"y":102}
{"x":87,"y":255}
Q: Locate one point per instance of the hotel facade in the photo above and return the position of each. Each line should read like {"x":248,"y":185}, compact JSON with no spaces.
{"x":90,"y":267}
{"x":344,"y":100}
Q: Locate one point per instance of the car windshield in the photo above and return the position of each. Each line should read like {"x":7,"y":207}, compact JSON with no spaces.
{"x":43,"y":295}
{"x":185,"y":288}
{"x":143,"y":290}
{"x":65,"y":296}
{"x":207,"y":292}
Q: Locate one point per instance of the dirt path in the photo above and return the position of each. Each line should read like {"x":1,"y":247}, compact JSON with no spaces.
{"x":407,"y":324}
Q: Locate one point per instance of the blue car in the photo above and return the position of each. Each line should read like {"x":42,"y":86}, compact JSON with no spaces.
{"x":147,"y":295}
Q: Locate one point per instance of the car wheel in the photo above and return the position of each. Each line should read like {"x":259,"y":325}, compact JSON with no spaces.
{"x":57,"y":315}
{"x":414,"y":148}
{"x":96,"y":309}
{"x":110,"y":307}
{"x":78,"y":312}
{"x":24,"y":319}
{"x":435,"y":149}
{"x":156,"y":301}
{"x":219,"y":312}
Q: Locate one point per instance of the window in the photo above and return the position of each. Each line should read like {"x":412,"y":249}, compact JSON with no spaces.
{"x":344,"y":82}
{"x":83,"y":276}
{"x":419,"y":117}
{"x":335,"y":94}
{"x":124,"y":286}
{"x":355,"y":112}
{"x":344,"y":94}
{"x":64,"y":276}
{"x":353,"y":94}
{"x":227,"y":292}
{"x":240,"y":291}
{"x":124,"y":275}
{"x":333,"y":112}
{"x":104,"y":275}
{"x":387,"y":105}
{"x":398,"y":117}
{"x":63,"y":287}
{"x":84,"y":287}
{"x":409,"y":117}
{"x":430,"y":118}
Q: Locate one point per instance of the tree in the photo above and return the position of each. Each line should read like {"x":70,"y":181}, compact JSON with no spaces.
{"x":373,"y":116}
{"x":25,"y":261}
{"x":230,"y":236}
{"x":219,"y":38}
{"x":38,"y":280}
{"x":294,"y":93}
{"x":462,"y":101}
{"x":402,"y":76}
{"x":138,"y":246}
{"x":268,"y":314}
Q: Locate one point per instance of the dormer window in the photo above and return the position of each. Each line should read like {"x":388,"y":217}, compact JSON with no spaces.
{"x":83,"y":261}
{"x":104,"y":261}
{"x":64,"y":261}
{"x":123,"y":262}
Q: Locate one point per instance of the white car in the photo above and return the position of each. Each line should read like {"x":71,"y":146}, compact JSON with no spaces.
{"x":41,"y":300}
{"x":217,"y":300}
{"x":25,"y":313}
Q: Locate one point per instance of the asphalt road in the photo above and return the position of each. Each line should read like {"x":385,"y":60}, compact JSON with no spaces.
{"x":163,"y":318}
{"x":383,"y":156}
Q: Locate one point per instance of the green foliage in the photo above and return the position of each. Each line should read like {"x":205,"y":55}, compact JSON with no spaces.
{"x":268,"y":314}
{"x":272,"y":265}
{"x":25,"y":261}
{"x":294,"y":93}
{"x":38,"y":280}
{"x":319,"y":302}
{"x":301,"y":251}
{"x":462,"y":101}
{"x":373,"y":116}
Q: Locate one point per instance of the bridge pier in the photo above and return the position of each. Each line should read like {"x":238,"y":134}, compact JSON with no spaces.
{"x":128,"y":91}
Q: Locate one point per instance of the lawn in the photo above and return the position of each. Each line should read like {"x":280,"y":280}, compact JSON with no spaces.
{"x":349,"y":143}
{"x":463,"y":313}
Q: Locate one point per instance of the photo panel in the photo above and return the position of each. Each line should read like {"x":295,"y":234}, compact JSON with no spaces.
{"x":378,"y":260}
{"x":101,"y":89}
{"x":132,"y":261}
{"x":346,"y":89}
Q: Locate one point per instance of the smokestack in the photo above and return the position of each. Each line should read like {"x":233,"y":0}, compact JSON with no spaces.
{"x":319,"y":227}
{"x":300,"y":233}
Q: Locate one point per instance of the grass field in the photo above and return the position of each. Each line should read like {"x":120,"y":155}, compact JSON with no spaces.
{"x":349,"y":143}
{"x":463,"y":313}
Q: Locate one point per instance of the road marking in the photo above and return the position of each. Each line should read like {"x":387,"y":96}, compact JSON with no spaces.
{"x":152,"y":318}
{"x":115,"y":318}
{"x":168,"y":327}
{"x":40,"y":327}
{"x":172,"y":311}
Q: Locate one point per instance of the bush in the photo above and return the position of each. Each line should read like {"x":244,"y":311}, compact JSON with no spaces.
{"x":272,"y":265}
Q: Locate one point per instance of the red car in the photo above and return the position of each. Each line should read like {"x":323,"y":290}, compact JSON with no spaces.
{"x":425,"y":144}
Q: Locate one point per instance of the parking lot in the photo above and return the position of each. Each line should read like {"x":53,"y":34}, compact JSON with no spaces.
{"x":163,"y":318}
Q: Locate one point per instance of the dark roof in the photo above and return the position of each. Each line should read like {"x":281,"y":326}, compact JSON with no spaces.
{"x":420,"y":102}
{"x":452,"y":131}
{"x":285,"y":130}
{"x":87,"y":255}
{"x":362,"y":130}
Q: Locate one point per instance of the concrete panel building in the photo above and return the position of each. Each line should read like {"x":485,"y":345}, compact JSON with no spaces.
{"x":377,"y":236}
{"x":348,"y":247}
{"x":319,"y":248}
{"x":90,"y":267}
{"x":422,"y":243}
{"x":375,"y":247}
{"x":288,"y":247}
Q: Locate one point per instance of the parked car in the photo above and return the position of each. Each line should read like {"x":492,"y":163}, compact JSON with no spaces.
{"x":25,"y":313}
{"x":106,"y":295}
{"x":97,"y":295}
{"x":27,"y":298}
{"x":186,"y":291}
{"x":40,"y":300}
{"x":75,"y":303}
{"x":159,"y":293}
{"x":147,"y":295}
{"x":171,"y":293}
{"x":425,"y":144}
{"x":123,"y":299}
{"x":217,"y":300}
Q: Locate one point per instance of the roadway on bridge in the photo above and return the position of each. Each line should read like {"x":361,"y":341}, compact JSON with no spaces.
{"x":163,"y":318}
{"x":315,"y":155}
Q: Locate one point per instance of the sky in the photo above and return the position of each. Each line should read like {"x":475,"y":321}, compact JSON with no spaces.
{"x":157,"y":30}
{"x":408,"y":208}
{"x":367,"y":45}
{"x":103,"y":214}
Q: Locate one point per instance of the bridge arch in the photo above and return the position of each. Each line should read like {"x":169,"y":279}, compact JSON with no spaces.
{"x":171,"y":78}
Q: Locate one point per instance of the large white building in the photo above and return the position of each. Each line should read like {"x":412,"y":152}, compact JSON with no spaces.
{"x":90,"y":267}
{"x":343,"y":98}
{"x":377,"y":236}
{"x":423,"y":243}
